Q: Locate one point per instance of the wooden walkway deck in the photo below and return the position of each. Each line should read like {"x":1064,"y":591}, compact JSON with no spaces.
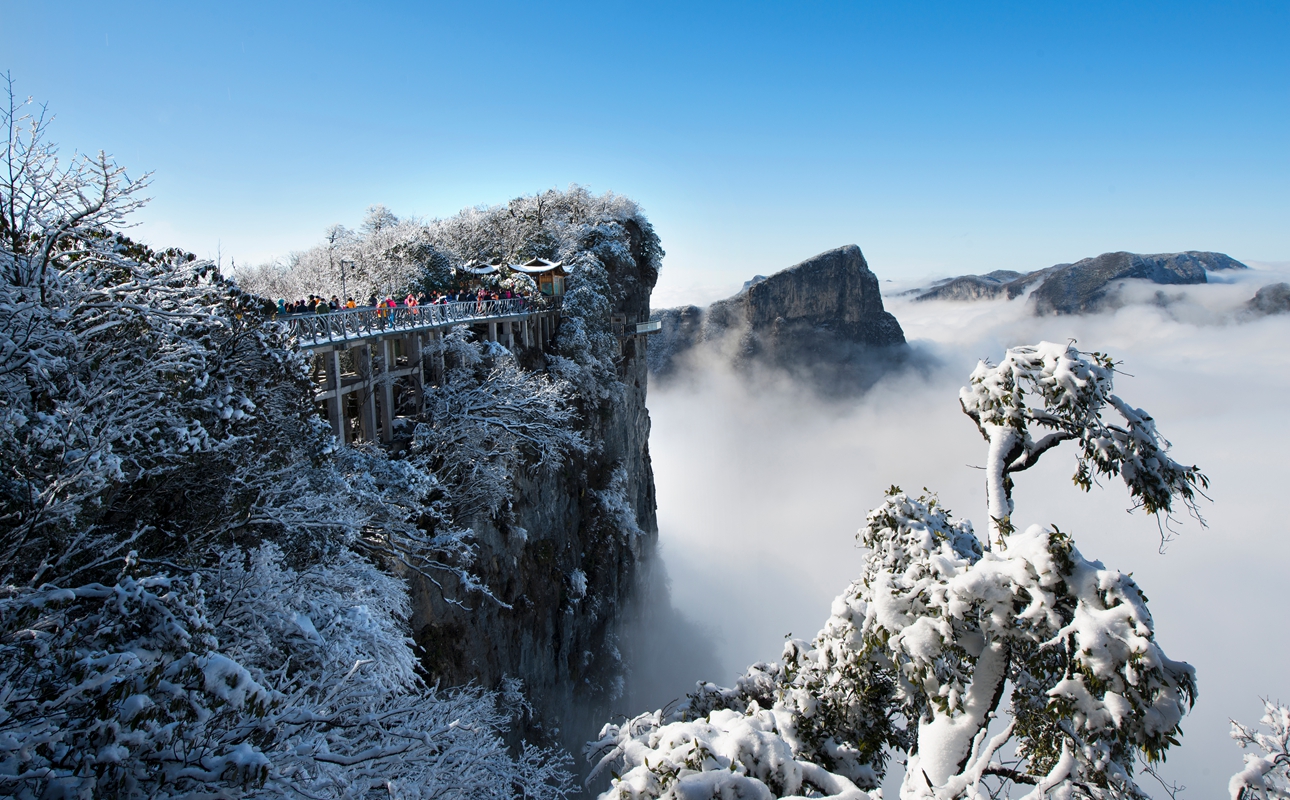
{"x":368,"y":367}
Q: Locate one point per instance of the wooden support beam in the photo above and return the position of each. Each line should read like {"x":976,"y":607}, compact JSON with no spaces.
{"x":367,"y":396}
{"x":438,"y":365}
{"x":377,"y":372}
{"x":336,"y":404}
{"x":413,"y":344}
{"x":387,"y":391}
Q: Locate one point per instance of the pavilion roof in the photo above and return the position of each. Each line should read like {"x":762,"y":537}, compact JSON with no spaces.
{"x":479,"y":268}
{"x":537,"y":266}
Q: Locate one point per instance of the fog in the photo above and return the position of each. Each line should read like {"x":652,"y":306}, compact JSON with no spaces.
{"x":762,"y":486}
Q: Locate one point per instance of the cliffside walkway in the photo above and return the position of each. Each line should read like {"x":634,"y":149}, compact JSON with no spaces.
{"x":314,"y":331}
{"x":368,"y":364}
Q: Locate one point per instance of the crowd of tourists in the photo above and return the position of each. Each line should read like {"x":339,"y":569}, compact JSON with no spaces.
{"x":318,"y":304}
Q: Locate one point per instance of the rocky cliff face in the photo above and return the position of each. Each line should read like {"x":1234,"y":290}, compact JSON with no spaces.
{"x":822,"y":319}
{"x":567,"y":563}
{"x":1091,"y":284}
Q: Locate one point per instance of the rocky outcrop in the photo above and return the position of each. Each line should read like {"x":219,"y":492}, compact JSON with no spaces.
{"x":833,"y":293}
{"x":971,"y":287}
{"x":1091,"y":284}
{"x":1271,"y":299}
{"x":822,"y":319}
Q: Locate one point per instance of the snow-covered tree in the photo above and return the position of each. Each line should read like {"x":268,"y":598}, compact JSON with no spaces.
{"x":486,"y":420}
{"x":244,"y":678}
{"x":941,"y":628}
{"x":1058,"y":393}
{"x":586,"y":347}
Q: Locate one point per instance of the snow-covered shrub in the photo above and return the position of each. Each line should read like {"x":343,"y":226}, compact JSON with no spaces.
{"x":1267,"y":770}
{"x":486,"y":419}
{"x":726,"y":754}
{"x":920,"y":652}
{"x":249,"y":677}
{"x":577,"y":584}
{"x":117,"y":690}
{"x":836,"y":714}
{"x":585,"y":345}
{"x":280,"y":621}
{"x":616,"y":505}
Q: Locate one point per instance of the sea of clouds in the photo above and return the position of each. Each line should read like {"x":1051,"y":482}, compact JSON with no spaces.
{"x":762,"y":485}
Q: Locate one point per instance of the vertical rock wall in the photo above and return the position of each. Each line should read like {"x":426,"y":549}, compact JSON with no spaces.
{"x":569,"y":561}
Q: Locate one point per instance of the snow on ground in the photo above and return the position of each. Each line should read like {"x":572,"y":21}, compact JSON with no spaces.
{"x":762,"y":488}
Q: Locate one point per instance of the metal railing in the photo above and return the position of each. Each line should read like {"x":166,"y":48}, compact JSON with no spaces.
{"x":313,"y":329}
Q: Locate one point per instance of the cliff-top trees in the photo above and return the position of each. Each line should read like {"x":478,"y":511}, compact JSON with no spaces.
{"x":921,"y":652}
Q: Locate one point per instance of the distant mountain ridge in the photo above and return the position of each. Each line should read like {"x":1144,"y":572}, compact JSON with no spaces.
{"x":1090,"y":284}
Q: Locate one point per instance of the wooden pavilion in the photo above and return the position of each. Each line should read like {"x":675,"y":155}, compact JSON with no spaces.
{"x":549,"y":275}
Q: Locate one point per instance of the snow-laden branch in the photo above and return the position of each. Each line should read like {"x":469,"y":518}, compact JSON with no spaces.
{"x":724,"y":754}
{"x":1074,"y":639}
{"x":488,"y":419}
{"x":43,"y":202}
{"x":1266,"y":774}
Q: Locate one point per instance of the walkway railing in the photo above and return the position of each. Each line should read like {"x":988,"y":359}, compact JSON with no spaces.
{"x":312,"y":329}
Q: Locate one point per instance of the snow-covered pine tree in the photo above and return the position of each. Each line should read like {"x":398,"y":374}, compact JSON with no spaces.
{"x":1073,"y":389}
{"x":921,"y":651}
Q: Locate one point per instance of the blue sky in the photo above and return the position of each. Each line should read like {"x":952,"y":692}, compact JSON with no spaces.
{"x":941,"y":138}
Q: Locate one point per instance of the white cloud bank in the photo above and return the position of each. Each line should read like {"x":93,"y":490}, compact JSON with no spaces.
{"x":762,"y":487}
